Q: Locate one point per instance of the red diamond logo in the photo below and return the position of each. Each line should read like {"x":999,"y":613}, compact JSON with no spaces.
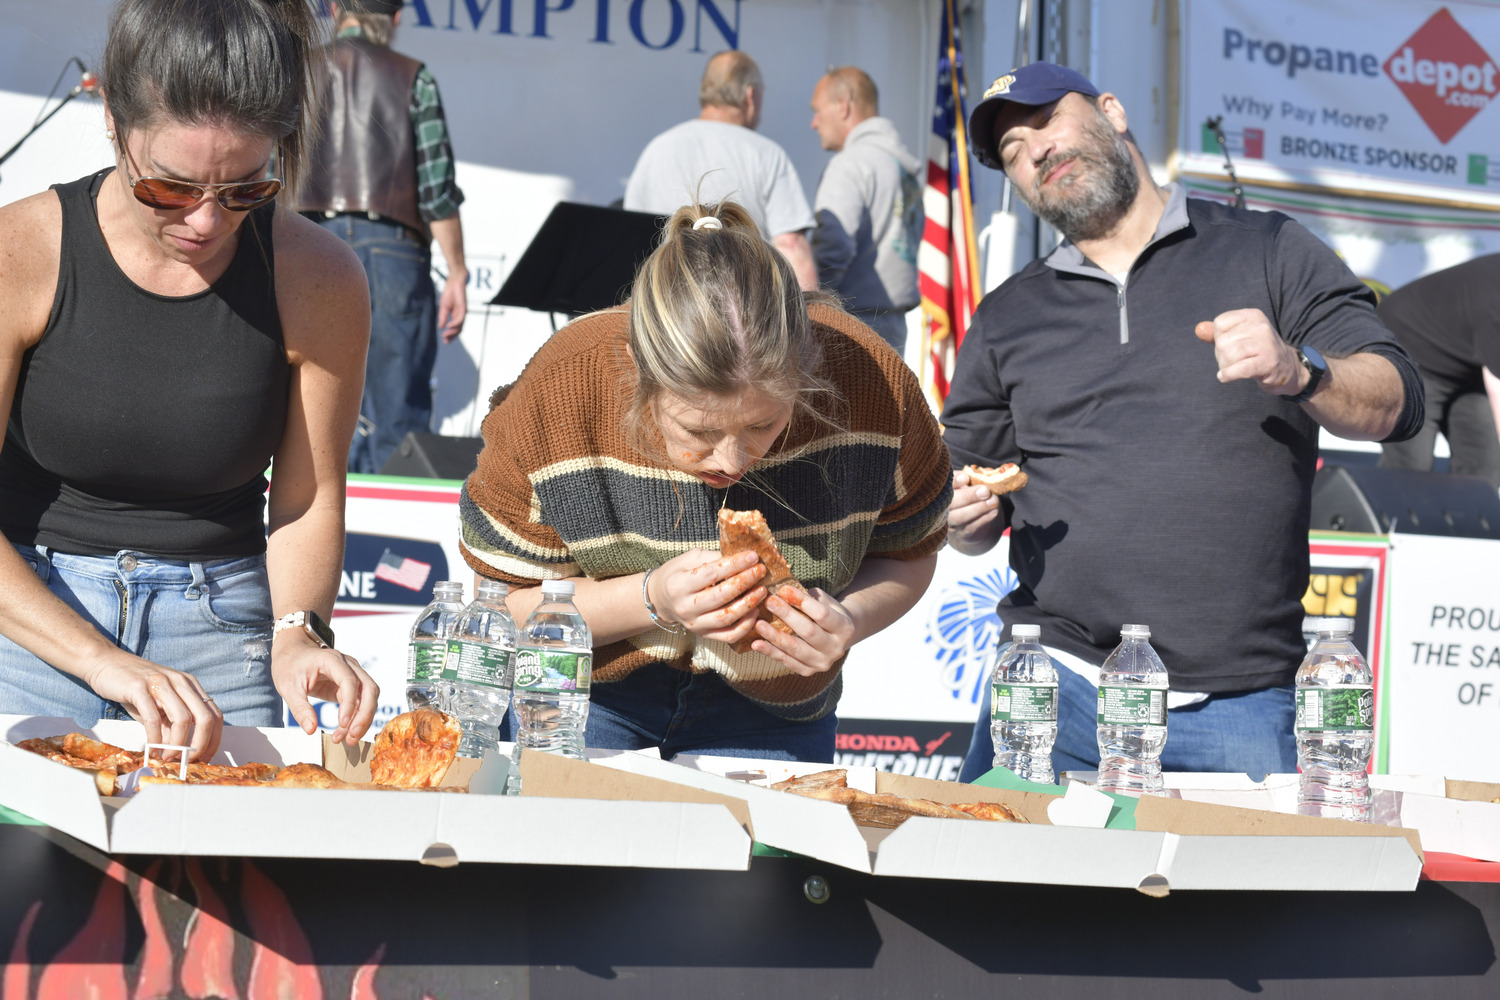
{"x":1445,"y":74}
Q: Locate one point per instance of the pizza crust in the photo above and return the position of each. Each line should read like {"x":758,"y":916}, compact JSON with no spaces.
{"x":413,"y":751}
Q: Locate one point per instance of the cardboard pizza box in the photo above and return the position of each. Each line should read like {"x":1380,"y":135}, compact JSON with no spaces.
{"x":1176,"y":843}
{"x":663,"y":830}
{"x":1453,"y":817}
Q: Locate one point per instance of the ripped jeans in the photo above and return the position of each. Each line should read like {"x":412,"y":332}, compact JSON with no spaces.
{"x":211,"y":619}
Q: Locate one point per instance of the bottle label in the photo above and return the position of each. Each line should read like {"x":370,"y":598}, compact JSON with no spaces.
{"x":477,"y":663}
{"x":1132,"y":706}
{"x":1335,"y":708}
{"x":425,"y":661}
{"x":553,"y":671}
{"x":1023,"y":702}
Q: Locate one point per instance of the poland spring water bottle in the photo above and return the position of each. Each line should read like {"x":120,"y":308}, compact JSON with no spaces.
{"x":554,"y":661}
{"x":478,"y":670}
{"x":1023,"y":706}
{"x":429,"y":646}
{"x":1132,"y":715}
{"x":1335,"y":725}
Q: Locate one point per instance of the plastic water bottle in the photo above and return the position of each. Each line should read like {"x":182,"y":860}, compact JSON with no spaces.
{"x":1023,"y":706}
{"x":429,"y":646}
{"x":554,"y":662}
{"x":479,"y":668}
{"x":1335,"y":725}
{"x":1132,"y":715}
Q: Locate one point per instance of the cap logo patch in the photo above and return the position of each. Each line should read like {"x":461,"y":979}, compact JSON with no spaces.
{"x":1000,"y":86}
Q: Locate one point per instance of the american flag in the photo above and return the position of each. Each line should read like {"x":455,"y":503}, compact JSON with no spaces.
{"x":947,"y":261}
{"x":403,"y":572}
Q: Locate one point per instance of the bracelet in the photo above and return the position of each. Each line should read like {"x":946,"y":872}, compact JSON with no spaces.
{"x":675,"y":628}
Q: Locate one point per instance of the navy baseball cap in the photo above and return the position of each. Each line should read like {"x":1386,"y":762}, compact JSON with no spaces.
{"x":1033,"y":84}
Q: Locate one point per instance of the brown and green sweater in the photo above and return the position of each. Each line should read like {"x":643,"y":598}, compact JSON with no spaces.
{"x":559,"y":493}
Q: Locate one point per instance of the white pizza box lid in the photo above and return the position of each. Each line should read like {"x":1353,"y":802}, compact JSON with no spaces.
{"x":1455,"y":817}
{"x":1177,"y":844}
{"x":663,"y":830}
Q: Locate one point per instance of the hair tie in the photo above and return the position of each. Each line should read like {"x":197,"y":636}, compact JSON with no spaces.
{"x":708,"y":222}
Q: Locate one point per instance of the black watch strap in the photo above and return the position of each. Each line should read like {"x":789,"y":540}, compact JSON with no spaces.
{"x":1317,"y":369}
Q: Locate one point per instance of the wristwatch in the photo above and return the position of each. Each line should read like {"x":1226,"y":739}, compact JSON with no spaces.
{"x":1316,"y":367}
{"x":309,"y":621}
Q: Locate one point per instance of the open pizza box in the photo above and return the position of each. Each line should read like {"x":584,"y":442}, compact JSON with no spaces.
{"x":1453,"y":817}
{"x":1176,"y":844}
{"x":660,"y":828}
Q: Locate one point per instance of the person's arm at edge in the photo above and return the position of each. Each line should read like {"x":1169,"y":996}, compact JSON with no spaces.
{"x":453,"y":303}
{"x":883,"y":590}
{"x":324,"y":303}
{"x":798,"y":251}
{"x":1492,"y":390}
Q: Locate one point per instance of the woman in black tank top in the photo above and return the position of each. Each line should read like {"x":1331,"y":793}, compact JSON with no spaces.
{"x":166,"y":333}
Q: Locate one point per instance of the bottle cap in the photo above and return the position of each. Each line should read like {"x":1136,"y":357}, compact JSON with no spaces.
{"x":492,"y":588}
{"x":1020,"y":633}
{"x":557,"y":588}
{"x":443,"y":588}
{"x":1135,"y":631}
{"x":1336,"y":626}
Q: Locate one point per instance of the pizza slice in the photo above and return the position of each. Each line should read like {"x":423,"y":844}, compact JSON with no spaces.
{"x":838,"y":778}
{"x":415,"y":749}
{"x":742,"y":530}
{"x":51,"y":748}
{"x":993,"y":811}
{"x":207,"y":774}
{"x":102,"y":754}
{"x":881,"y":810}
{"x":1006,"y":478}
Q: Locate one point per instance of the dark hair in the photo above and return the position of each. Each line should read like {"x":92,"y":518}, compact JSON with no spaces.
{"x":248,"y":65}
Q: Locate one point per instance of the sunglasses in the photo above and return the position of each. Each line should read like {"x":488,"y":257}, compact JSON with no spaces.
{"x":237,"y":196}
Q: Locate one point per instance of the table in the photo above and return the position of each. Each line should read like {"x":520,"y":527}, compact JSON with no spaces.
{"x":138,"y":927}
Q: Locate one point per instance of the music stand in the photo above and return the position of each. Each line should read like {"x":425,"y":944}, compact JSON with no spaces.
{"x":583,"y":258}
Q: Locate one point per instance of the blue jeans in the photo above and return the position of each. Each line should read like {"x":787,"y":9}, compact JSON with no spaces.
{"x":210,"y":619}
{"x":682,"y":712}
{"x":1249,"y":732}
{"x":403,"y":335}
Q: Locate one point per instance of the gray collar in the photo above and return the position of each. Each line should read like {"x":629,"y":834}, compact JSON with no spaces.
{"x":1067,"y":257}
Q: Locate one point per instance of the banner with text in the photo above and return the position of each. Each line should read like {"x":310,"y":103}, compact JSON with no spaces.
{"x":1384,"y":97}
{"x":1444,"y":665}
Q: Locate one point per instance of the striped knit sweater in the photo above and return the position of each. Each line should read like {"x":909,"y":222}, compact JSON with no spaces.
{"x":559,"y":493}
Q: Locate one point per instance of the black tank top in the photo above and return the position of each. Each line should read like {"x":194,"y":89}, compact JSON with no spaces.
{"x":144,"y":421}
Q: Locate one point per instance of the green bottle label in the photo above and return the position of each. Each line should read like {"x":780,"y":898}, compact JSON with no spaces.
{"x":424,"y":660}
{"x":477,"y":663}
{"x":1132,"y":706}
{"x":1340,"y":707}
{"x":1023,"y":702}
{"x":553,"y":671}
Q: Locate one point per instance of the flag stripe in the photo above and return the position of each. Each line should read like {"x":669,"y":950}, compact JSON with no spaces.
{"x":947,"y":260}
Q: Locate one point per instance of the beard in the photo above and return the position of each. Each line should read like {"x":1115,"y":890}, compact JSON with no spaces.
{"x":1097,"y":193}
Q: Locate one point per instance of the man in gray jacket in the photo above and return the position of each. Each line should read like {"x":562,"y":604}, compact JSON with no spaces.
{"x":869,"y":205}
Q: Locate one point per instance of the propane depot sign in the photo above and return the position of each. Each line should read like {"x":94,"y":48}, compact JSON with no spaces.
{"x":1387,"y":97}
{"x":1444,"y":663}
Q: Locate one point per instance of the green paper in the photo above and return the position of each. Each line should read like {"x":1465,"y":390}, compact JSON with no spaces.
{"x":1121,"y":817}
{"x":17,"y":819}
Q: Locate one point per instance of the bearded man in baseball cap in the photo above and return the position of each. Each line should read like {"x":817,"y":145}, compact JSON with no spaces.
{"x":1161,"y":377}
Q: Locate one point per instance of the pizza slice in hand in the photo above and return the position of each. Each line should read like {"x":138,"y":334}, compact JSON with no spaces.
{"x":1006,"y":478}
{"x":741,"y":530}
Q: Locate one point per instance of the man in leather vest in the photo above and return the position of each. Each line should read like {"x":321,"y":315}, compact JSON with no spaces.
{"x":381,"y":178}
